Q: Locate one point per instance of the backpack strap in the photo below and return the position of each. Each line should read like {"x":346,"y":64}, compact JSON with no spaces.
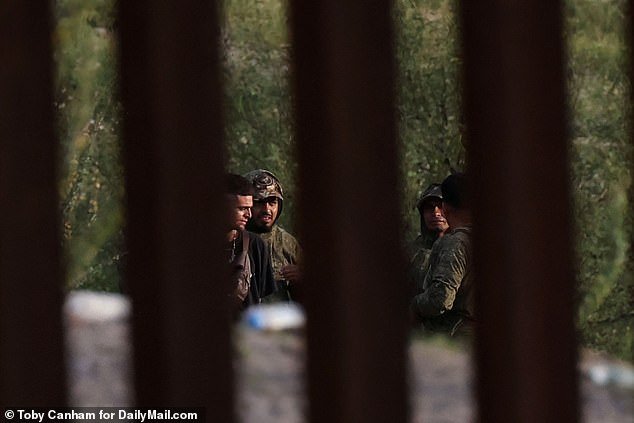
{"x":245,"y":246}
{"x":242,"y":272}
{"x":239,"y":260}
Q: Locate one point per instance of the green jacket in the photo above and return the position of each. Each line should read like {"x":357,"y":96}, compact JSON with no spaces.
{"x":419,"y":252}
{"x":444,"y":300}
{"x":284,"y":249}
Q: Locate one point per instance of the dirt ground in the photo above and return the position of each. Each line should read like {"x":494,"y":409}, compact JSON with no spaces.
{"x":99,"y":364}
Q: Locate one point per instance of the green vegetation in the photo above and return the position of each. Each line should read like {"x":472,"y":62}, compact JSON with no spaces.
{"x":91,"y":182}
{"x":601,"y":159}
{"x":257,"y":100}
{"x":260,"y":135}
{"x":430,"y":120}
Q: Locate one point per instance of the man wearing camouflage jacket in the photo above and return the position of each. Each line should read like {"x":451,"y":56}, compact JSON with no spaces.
{"x":444,"y":300}
{"x":285,"y":251}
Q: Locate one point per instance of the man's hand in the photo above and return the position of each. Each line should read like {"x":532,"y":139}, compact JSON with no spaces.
{"x":291,"y":273}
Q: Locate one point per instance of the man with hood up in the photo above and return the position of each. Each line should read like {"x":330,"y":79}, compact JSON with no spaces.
{"x":268,"y":200}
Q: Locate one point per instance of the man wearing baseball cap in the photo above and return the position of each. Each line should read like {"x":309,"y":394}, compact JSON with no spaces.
{"x":432,"y":226}
{"x":444,"y":301}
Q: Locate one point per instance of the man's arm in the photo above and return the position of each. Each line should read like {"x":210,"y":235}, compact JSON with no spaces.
{"x":442,"y":281}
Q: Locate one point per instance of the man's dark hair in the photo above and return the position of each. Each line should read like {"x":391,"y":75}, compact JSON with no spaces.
{"x":455,"y":191}
{"x":237,"y":185}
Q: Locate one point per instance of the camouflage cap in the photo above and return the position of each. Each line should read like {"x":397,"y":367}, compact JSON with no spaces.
{"x":265,"y":183}
{"x":432,"y":191}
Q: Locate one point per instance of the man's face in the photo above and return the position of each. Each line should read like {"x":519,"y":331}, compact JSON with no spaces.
{"x":433,"y":215}
{"x":240,"y":210}
{"x":265,"y":213}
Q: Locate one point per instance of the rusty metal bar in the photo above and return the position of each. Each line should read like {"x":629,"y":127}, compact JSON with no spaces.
{"x":173,"y":144}
{"x":31,"y":347}
{"x":629,"y":25}
{"x":516,"y":116}
{"x":346,"y":135}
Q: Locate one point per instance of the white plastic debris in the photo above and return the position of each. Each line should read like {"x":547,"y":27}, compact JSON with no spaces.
{"x":273,"y":317}
{"x":612,"y":374}
{"x":97,"y":306}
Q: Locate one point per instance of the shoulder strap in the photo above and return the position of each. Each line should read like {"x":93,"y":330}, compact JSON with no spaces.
{"x":245,"y":246}
{"x":239,"y":260}
{"x":245,"y":259}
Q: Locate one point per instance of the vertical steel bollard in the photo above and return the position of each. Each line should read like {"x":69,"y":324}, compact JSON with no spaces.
{"x":173,"y":145}
{"x":343,"y":64}
{"x":31,"y":287}
{"x":516,"y":117}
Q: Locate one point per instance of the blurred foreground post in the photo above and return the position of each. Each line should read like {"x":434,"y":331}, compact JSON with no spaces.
{"x":173,"y":145}
{"x":31,"y":348}
{"x":349,"y":178}
{"x":515,"y":109}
